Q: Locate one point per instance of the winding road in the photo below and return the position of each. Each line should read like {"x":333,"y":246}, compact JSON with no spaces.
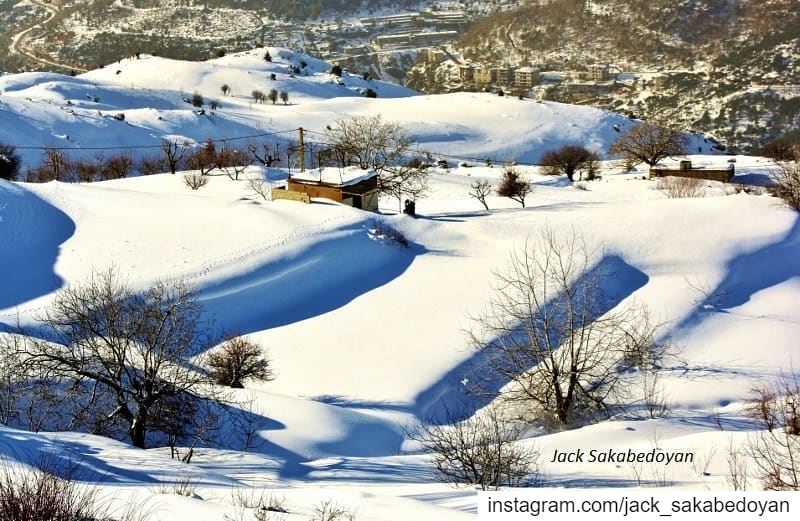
{"x":18,"y":40}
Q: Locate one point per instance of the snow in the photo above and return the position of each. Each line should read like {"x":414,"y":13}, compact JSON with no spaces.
{"x":335,"y":176}
{"x":49,"y":110}
{"x":367,"y":336}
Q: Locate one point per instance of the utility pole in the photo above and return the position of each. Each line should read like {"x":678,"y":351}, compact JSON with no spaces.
{"x":302,"y":147}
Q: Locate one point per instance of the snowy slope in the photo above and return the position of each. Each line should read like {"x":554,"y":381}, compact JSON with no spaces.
{"x":367,"y":336}
{"x":46,"y":110}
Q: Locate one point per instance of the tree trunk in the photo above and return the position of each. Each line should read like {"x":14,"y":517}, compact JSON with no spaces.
{"x":138,"y":430}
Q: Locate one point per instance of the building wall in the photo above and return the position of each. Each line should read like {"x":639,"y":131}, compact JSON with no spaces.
{"x":327,"y":192}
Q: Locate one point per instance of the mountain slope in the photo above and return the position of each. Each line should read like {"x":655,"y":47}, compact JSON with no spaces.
{"x":717,"y":58}
{"x":140,"y":102}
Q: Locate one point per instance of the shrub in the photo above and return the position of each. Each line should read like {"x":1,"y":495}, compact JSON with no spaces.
{"x":514,"y":186}
{"x":195,"y":181}
{"x":481,"y":450}
{"x":203,"y":158}
{"x":328,"y":510}
{"x":370,"y":93}
{"x":239,"y":359}
{"x":384,"y":232}
{"x":10,"y":162}
{"x":680,"y":187}
{"x":267,"y":56}
{"x":786,"y":185}
{"x":37,"y":495}
{"x":152,"y":164}
{"x":336,"y":71}
{"x":87,"y":171}
{"x":774,"y":451}
{"x":197,"y":100}
{"x":117,"y":167}
{"x":778,"y":150}
{"x":569,"y":160}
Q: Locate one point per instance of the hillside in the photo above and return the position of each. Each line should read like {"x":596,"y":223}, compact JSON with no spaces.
{"x":137,"y":103}
{"x":366,"y":334}
{"x":719,"y":67}
{"x":306,"y":280}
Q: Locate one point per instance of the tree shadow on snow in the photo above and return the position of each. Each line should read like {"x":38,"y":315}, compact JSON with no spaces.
{"x":454,"y":392}
{"x":749,"y":273}
{"x":320,"y":278}
{"x":31,"y":234}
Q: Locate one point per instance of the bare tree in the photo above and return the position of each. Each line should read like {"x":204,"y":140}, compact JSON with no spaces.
{"x":649,"y":143}
{"x":273,"y":95}
{"x":195,"y":181}
{"x":786,"y":184}
{"x":237,"y":360}
{"x":483,"y":450}
{"x":566,"y":357}
{"x":569,"y":160}
{"x":226,"y":90}
{"x":776,"y":451}
{"x":137,"y":348}
{"x":403,"y":182}
{"x":231,"y":160}
{"x":368,"y":142}
{"x":203,"y":158}
{"x":480,"y":190}
{"x":54,"y":167}
{"x":285,"y":97}
{"x":514,"y":186}
{"x":264,"y":155}
{"x":260,"y":187}
{"x":258,"y":96}
{"x":173,"y":154}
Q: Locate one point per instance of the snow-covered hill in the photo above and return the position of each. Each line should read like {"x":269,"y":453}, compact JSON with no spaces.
{"x":50,"y":110}
{"x":365,"y":335}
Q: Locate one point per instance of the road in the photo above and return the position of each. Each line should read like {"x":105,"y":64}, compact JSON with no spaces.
{"x":18,"y":40}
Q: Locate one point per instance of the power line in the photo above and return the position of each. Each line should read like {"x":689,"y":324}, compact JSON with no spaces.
{"x":417,"y":147}
{"x":142,"y":147}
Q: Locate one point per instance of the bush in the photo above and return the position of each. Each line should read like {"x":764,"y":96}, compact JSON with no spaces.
{"x":152,"y":164}
{"x":775,"y":451}
{"x":779,"y":150}
{"x":203,"y":158}
{"x":328,"y":510}
{"x":680,"y":187}
{"x":267,"y":56}
{"x":514,"y":186}
{"x":239,"y":359}
{"x":786,"y":185}
{"x":197,"y":100}
{"x":37,"y":495}
{"x":370,"y":93}
{"x":117,"y":167}
{"x":569,"y":160}
{"x":195,"y":181}
{"x":336,"y":71}
{"x":384,"y":232}
{"x":55,"y":166}
{"x":482,"y":450}
{"x":10,"y":162}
